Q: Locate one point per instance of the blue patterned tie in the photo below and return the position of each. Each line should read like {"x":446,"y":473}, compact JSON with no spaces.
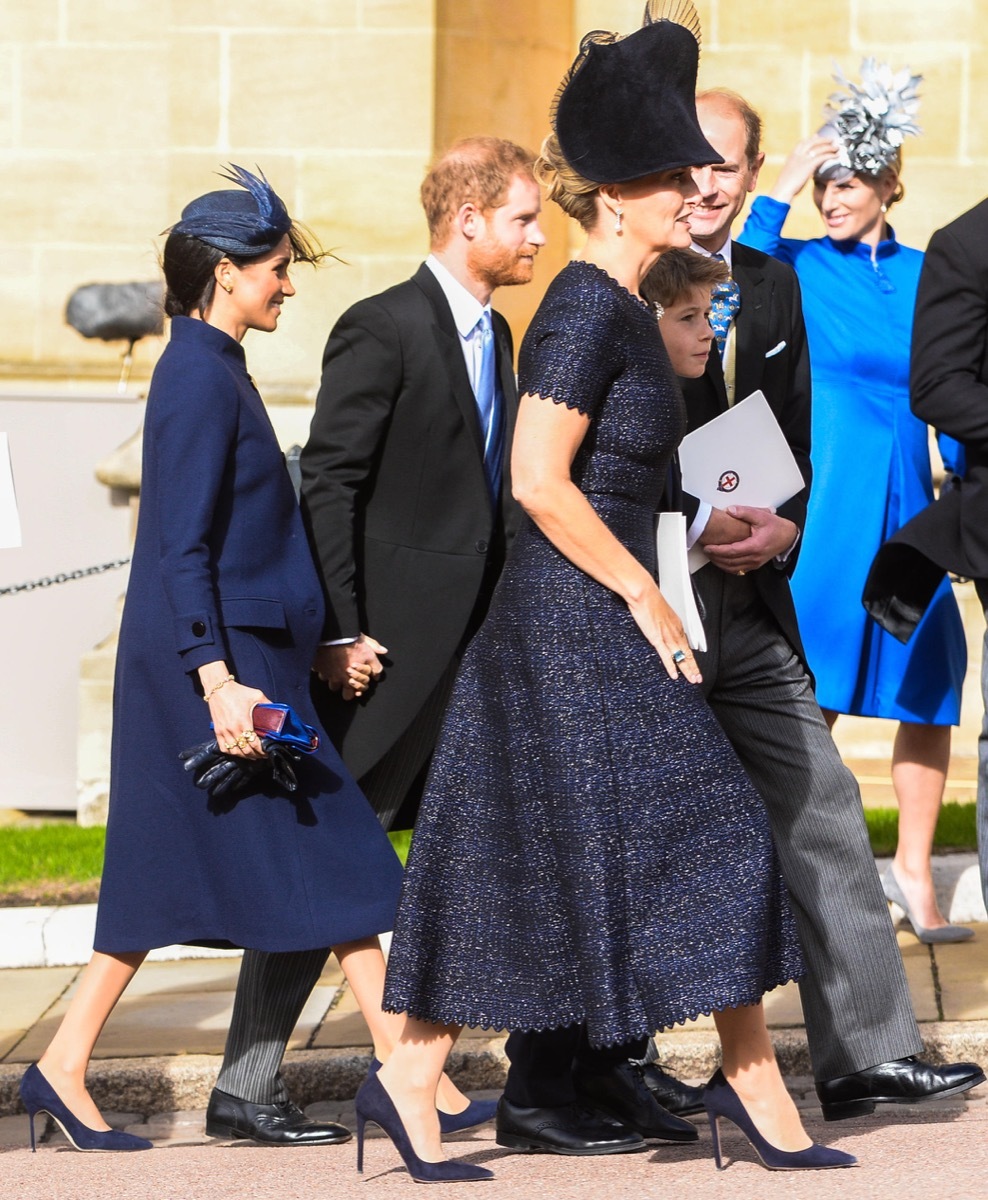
{"x":490,"y":407}
{"x":725,"y":301}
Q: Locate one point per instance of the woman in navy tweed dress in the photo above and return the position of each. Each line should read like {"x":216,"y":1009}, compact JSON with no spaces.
{"x":589,"y":851}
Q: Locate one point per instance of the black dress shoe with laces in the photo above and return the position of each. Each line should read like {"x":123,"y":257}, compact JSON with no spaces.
{"x":570,"y":1129}
{"x":621,"y":1093}
{"x":902,"y":1081}
{"x":282,"y":1124}
{"x":677,"y":1097}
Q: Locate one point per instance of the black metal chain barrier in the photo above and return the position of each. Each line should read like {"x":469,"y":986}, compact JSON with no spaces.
{"x":49,"y":580}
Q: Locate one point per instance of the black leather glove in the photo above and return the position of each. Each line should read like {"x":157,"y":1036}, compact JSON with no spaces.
{"x":223,"y":774}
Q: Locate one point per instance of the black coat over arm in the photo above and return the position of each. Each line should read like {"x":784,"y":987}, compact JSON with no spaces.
{"x":949,"y":381}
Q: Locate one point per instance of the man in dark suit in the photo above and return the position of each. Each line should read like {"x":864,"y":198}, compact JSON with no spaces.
{"x":408,"y":505}
{"x":405,"y":478}
{"x":860,"y":1025}
{"x":949,"y":383}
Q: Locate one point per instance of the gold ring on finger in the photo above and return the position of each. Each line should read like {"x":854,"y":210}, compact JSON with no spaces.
{"x":249,"y":735}
{"x":231,"y":746}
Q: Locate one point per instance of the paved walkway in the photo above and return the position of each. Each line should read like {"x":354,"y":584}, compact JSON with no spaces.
{"x":159,"y":1054}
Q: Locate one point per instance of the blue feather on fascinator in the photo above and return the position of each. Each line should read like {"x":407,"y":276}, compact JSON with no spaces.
{"x":246,"y":223}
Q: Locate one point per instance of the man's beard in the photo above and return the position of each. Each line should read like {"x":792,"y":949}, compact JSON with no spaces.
{"x":498,"y":266}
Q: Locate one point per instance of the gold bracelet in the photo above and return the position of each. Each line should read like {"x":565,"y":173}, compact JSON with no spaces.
{"x":229,"y":679}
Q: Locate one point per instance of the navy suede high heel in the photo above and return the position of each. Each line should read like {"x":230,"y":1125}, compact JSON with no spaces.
{"x":372,"y":1103}
{"x":477,"y":1112}
{"x":721,"y":1100}
{"x":38,"y":1095}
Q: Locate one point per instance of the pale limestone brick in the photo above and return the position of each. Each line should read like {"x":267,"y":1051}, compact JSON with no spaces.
{"x":194,"y":85}
{"x":918,"y":22}
{"x":395,"y":14}
{"x":304,"y":15}
{"x":99,"y":99}
{"x":367,"y":91}
{"x":783,"y":27}
{"x":80,"y":198}
{"x":29,"y":20}
{"x":111,"y":21}
{"x":364,"y":204}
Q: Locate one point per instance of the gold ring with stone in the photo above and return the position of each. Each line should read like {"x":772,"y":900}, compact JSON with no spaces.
{"x":249,"y":735}
{"x":740,"y":572}
{"x":231,"y":746}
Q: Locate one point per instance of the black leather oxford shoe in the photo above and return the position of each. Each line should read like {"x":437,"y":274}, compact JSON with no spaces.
{"x":680,"y":1098}
{"x":281,"y":1124}
{"x":902,"y":1081}
{"x":621,"y":1093}
{"x":570,"y":1129}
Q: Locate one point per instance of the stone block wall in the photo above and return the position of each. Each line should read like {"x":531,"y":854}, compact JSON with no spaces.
{"x":114,"y":114}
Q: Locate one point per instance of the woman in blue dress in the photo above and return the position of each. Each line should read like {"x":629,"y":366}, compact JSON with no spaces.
{"x":589,"y":852}
{"x":871,"y":462}
{"x":223,"y":605}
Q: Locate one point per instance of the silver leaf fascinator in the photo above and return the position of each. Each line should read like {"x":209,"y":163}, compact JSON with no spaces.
{"x":870,"y":120}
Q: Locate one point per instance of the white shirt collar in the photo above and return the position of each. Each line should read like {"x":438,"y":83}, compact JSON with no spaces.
{"x":725,"y":252}
{"x":465,"y":307}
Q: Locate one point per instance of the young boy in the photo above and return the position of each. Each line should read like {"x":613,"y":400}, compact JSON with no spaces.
{"x":679,"y":286}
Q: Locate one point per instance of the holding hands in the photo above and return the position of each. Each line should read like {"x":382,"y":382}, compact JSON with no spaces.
{"x":351,"y":668}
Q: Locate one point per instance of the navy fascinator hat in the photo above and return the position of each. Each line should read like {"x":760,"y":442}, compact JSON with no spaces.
{"x":627,"y":106}
{"x":245,"y":223}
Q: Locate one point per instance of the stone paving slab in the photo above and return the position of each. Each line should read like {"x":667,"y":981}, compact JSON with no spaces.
{"x":25,"y":996}
{"x":904,"y":1154}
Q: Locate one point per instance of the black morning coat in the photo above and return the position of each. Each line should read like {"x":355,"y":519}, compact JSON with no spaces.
{"x":407,"y":540}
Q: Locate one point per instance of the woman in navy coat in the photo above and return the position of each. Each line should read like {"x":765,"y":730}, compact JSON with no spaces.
{"x":223,"y":605}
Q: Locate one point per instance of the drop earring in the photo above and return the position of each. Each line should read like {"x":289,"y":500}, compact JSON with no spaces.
{"x":618,"y":219}
{"x":885,"y":208}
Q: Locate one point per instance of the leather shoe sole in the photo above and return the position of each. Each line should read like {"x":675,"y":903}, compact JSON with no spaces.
{"x":856,"y":1095}
{"x":570,"y":1130}
{"x":282,"y":1124}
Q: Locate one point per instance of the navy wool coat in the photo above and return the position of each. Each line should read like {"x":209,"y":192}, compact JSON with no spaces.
{"x":222,"y":570}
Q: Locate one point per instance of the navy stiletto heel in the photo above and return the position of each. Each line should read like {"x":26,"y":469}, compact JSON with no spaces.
{"x":477,"y":1112}
{"x":372,"y":1103}
{"x":721,"y":1100}
{"x":38,"y":1095}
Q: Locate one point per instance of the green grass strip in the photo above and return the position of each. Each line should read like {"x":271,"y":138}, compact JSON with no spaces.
{"x":955,"y":829}
{"x":67,"y":853}
{"x":39,"y":853}
{"x":401,"y":839}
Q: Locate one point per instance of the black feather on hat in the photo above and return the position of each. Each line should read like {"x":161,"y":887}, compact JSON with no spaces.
{"x":627,"y":106}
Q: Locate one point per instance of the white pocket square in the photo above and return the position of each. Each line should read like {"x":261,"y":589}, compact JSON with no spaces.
{"x":776,"y":349}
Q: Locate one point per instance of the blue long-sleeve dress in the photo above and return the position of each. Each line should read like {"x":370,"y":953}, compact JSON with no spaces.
{"x":871,"y":473}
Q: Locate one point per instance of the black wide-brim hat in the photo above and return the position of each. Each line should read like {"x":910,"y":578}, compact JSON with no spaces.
{"x":627,"y":108}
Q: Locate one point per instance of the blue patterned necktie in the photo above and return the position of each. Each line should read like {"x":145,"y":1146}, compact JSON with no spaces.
{"x":725,"y":301}
{"x":490,"y":406}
